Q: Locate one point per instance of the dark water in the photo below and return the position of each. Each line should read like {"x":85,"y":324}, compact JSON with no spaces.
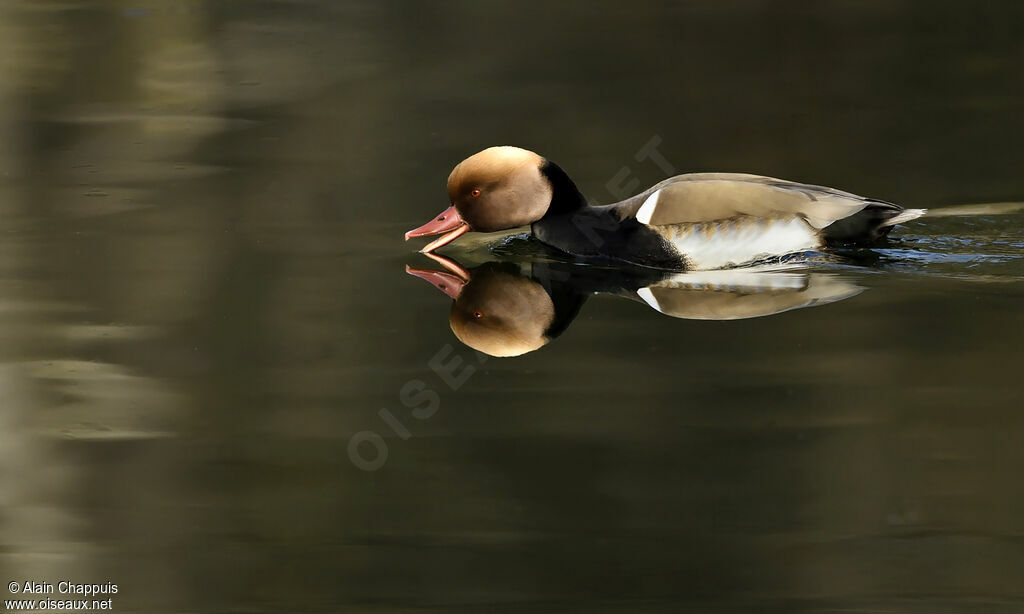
{"x":203,"y":300}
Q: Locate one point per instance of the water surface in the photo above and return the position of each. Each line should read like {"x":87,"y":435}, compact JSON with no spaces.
{"x":203,"y":300}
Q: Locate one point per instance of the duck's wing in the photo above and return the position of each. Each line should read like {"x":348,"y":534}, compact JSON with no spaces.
{"x":743,"y":293}
{"x":709,"y":197}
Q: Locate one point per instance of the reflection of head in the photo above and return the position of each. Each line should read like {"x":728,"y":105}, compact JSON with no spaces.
{"x":501,"y":313}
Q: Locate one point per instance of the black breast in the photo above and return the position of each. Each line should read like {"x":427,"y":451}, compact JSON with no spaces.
{"x":608,"y":233}
{"x":596,"y":233}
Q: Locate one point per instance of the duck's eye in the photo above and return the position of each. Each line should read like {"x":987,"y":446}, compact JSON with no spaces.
{"x":475,"y":193}
{"x":477,"y":314}
{"x":440,"y":218}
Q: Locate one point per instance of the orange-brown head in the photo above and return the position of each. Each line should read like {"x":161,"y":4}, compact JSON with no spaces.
{"x":496,"y":189}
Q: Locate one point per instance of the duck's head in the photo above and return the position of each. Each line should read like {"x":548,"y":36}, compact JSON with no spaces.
{"x":496,"y":310}
{"x":496,"y":189}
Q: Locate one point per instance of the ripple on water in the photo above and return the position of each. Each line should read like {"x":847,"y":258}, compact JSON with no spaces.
{"x":984,"y":248}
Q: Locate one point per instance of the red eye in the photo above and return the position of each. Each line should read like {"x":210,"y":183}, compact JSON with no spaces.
{"x":440,"y":219}
{"x":475,"y":193}
{"x":477,"y":314}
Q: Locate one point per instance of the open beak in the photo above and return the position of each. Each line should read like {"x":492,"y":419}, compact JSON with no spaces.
{"x":448,"y":222}
{"x":450,"y":282}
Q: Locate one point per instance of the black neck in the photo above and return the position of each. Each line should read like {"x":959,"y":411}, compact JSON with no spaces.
{"x":565,"y":298}
{"x":565,"y":196}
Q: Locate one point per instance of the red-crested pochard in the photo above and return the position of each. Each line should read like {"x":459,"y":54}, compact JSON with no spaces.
{"x":688,"y":222}
{"x":511,"y":308}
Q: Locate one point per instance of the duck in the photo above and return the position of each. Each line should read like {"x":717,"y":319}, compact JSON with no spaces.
{"x":694,"y":221}
{"x":509,"y":308}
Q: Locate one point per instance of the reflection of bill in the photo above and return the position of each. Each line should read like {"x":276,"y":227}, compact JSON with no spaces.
{"x":509,"y":309}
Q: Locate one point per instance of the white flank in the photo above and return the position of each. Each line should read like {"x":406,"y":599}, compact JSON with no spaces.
{"x":749,"y":280}
{"x":735,"y":294}
{"x":643,"y":215}
{"x":716,"y":245}
{"x":753,"y":279}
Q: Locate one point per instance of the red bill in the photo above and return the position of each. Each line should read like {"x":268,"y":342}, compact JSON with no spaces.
{"x":450,"y":282}
{"x":447,"y":222}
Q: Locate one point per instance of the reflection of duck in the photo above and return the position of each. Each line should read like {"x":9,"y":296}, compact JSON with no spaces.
{"x":695,"y":221}
{"x":508,"y":309}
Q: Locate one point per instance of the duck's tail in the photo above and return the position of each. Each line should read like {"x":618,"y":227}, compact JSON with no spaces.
{"x":904,"y":216}
{"x":874,"y":222}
